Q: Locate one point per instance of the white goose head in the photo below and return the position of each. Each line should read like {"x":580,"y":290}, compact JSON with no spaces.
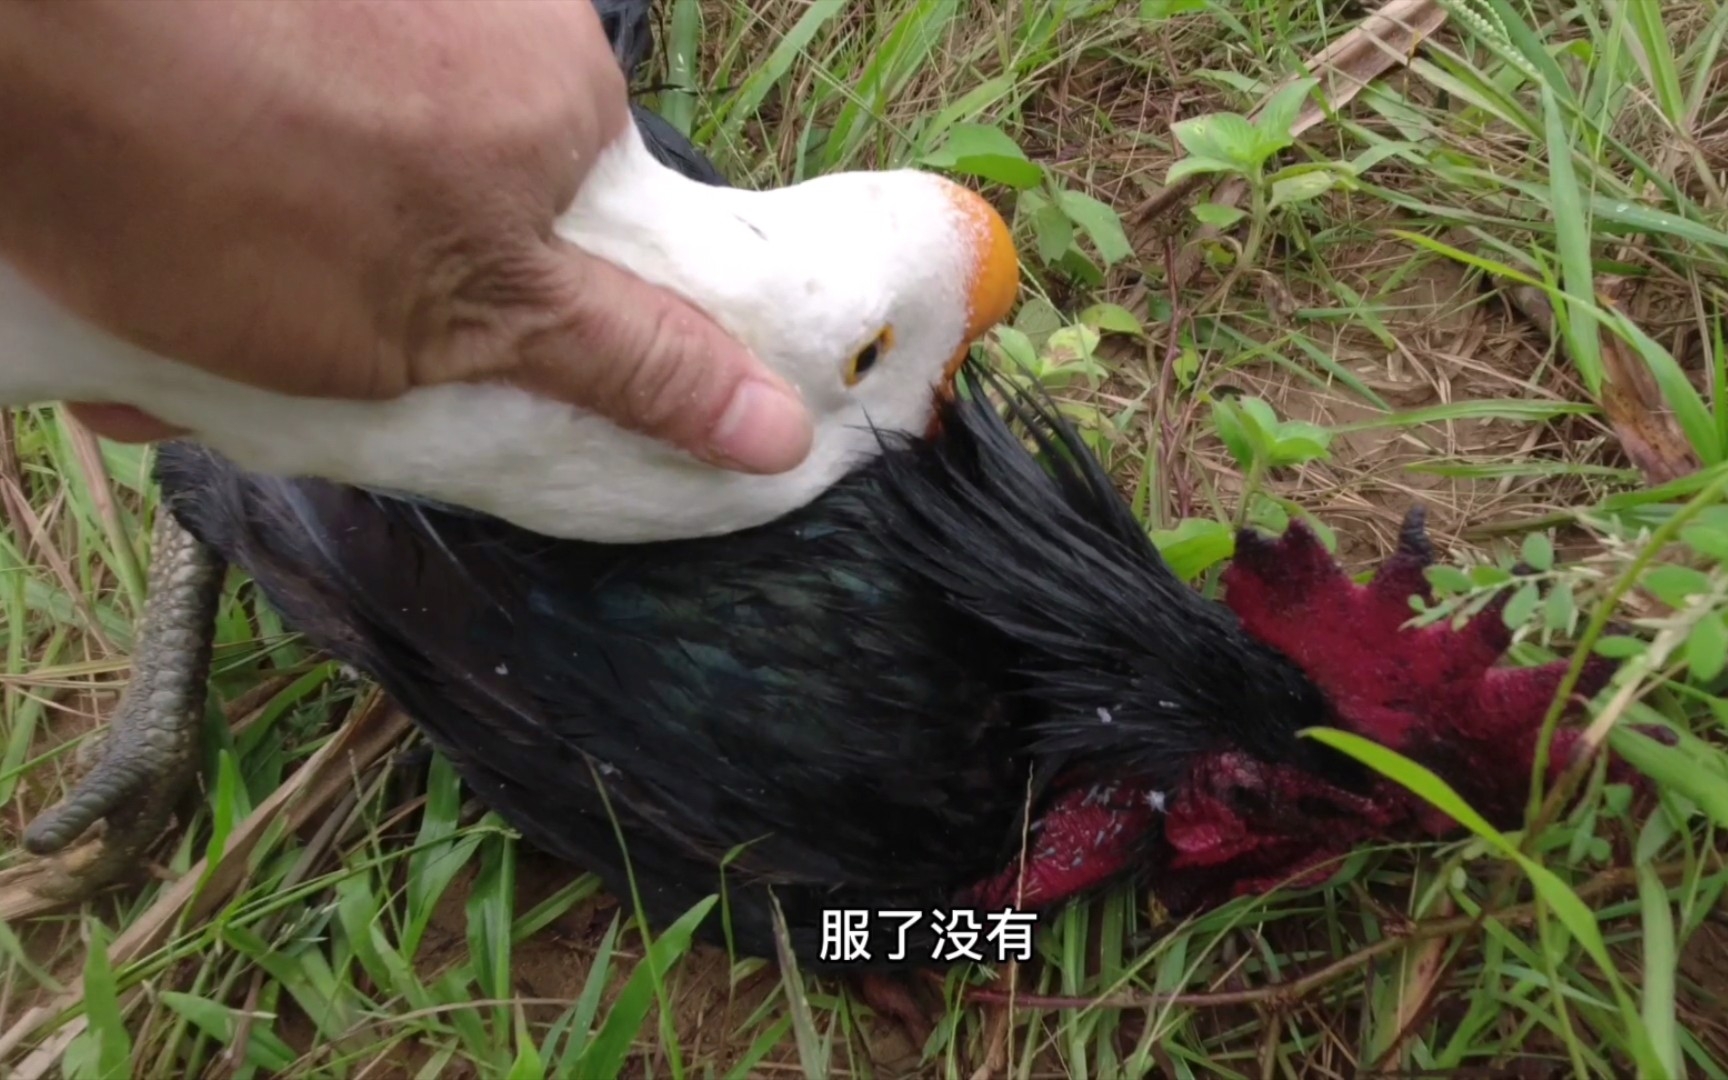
{"x":863,"y":290}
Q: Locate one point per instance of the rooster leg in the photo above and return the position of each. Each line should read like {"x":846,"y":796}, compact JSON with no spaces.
{"x":149,"y":756}
{"x":891,"y":996}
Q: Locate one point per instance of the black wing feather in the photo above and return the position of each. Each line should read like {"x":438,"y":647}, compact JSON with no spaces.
{"x":768,"y":688}
{"x":1135,"y":669}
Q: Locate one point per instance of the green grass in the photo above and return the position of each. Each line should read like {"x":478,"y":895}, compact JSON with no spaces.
{"x":1342,"y":346}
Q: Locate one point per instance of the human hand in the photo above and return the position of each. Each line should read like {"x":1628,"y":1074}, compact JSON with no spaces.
{"x":350,"y":199}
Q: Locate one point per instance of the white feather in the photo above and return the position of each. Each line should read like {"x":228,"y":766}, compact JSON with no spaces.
{"x":803,"y":275}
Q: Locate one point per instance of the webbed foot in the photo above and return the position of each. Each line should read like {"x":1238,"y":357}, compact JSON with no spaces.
{"x":149,"y":756}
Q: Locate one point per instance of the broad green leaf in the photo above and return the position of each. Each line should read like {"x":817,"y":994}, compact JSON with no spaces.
{"x":1707,"y":648}
{"x":1197,"y":165}
{"x":1187,"y":363}
{"x":1195,"y":545}
{"x":1486,"y":575}
{"x":1052,"y":232}
{"x":1620,"y":647}
{"x":1260,"y":411}
{"x":1302,"y":187}
{"x":1100,"y":222}
{"x":1295,"y":450}
{"x":1112,"y":319}
{"x":1675,"y":585}
{"x":1449,"y":579}
{"x":1017,"y":347}
{"x":986,"y":152}
{"x":1616,"y":798}
{"x":1242,"y":435}
{"x":1281,"y":109}
{"x":1538,"y":552}
{"x":1522,"y":605}
{"x":986,"y":98}
{"x":1071,"y":345}
{"x":1302,"y":429}
{"x":1222,"y":137}
{"x":1268,"y":515}
{"x":1077,"y":265}
{"x":79,"y":1061}
{"x":1706,"y":541}
{"x":1218,"y":215}
{"x":1038,"y":319}
{"x":1560,"y":606}
{"x":1297,"y":441}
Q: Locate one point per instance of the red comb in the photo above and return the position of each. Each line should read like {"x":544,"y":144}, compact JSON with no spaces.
{"x":1431,"y":693}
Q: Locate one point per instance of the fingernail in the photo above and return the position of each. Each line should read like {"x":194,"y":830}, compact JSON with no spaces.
{"x":763,"y":430}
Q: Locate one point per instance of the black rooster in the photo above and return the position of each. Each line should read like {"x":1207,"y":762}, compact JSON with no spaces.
{"x":864,"y":702}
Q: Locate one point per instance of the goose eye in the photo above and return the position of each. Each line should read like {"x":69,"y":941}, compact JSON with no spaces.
{"x":865,"y":359}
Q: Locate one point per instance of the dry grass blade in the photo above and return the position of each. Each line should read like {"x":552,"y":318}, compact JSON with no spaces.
{"x":21,"y":896}
{"x":30,"y":525}
{"x":1425,"y":971}
{"x":999,"y":1032}
{"x":11,"y":471}
{"x":1632,"y":401}
{"x":376,"y":727}
{"x":88,"y":454}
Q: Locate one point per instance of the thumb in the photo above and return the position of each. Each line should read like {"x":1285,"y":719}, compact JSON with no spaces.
{"x":121,"y":423}
{"x":650,"y":361}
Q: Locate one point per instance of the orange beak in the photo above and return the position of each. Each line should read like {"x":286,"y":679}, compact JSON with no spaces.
{"x":995,"y":280}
